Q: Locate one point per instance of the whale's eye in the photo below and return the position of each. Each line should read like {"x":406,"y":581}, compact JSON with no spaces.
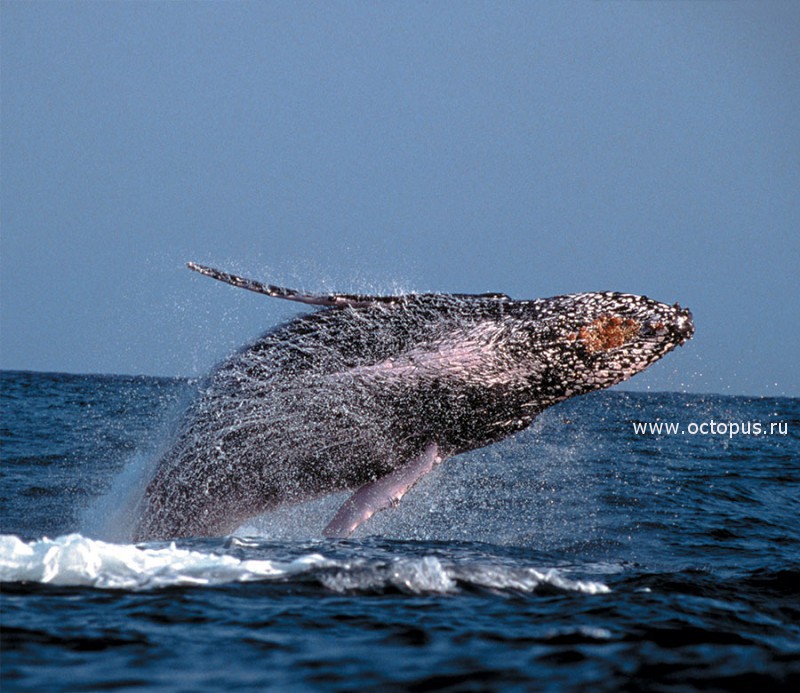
{"x":606,"y":332}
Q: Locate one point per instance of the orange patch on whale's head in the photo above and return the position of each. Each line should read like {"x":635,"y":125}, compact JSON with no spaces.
{"x":607,"y":332}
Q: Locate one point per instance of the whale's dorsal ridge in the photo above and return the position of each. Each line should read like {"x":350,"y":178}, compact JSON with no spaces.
{"x":353,"y":300}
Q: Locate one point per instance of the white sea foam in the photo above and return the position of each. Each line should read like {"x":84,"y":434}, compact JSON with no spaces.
{"x":412,"y":575}
{"x":75,"y":560}
{"x":527,"y":580}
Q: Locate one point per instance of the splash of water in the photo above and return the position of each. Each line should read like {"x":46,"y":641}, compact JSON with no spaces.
{"x":75,"y":560}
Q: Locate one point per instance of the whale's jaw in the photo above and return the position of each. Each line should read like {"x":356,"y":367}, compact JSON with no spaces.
{"x":583,"y":342}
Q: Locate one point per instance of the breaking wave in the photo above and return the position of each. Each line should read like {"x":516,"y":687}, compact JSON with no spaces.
{"x":75,"y":560}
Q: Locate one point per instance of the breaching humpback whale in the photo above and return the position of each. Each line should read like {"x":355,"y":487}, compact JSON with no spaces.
{"x":372,"y":392}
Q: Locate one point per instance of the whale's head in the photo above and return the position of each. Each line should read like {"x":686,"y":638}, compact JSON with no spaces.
{"x":590,"y":341}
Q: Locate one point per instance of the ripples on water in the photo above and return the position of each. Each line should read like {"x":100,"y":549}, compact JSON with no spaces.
{"x":574,"y":555}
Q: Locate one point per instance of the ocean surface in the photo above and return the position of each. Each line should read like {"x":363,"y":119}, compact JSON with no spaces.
{"x":577,"y":555}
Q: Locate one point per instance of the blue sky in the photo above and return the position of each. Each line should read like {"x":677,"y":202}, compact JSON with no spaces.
{"x":529,"y":148}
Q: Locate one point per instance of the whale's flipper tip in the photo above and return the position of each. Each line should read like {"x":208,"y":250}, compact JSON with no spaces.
{"x":340,"y":300}
{"x":382,"y":493}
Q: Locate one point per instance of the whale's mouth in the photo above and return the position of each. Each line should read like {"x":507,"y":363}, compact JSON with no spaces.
{"x":683,"y":325}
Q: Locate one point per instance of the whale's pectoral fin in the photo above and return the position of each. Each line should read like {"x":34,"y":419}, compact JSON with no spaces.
{"x":382,"y":493}
{"x":292,"y":294}
{"x":354,"y":300}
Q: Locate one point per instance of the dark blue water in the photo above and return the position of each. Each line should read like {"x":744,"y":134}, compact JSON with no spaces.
{"x":578,"y":554}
